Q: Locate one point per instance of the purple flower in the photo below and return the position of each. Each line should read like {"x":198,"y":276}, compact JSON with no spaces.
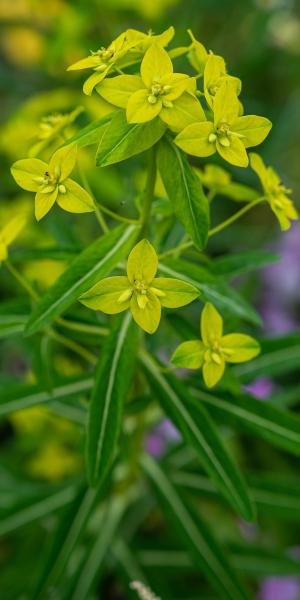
{"x":160,"y":437}
{"x":261,"y":388}
{"x":279,"y":588}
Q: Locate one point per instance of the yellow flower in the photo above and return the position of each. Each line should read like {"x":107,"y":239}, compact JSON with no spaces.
{"x":228,"y":133}
{"x":9,"y":233}
{"x":276,"y":193}
{"x":140,"y":291}
{"x":51,"y":127}
{"x":215,"y":349}
{"x":118,"y":54}
{"x":51,"y":182}
{"x":215,"y":74}
{"x":157,"y":92}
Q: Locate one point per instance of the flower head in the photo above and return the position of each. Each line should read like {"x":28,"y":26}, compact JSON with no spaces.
{"x":118,"y":54}
{"x":158,"y":91}
{"x":51,"y":182}
{"x":228,"y":133}
{"x":276,"y":193}
{"x":214,"y":350}
{"x":140,"y":291}
{"x":9,"y":233}
{"x":215,"y":74}
{"x":51,"y":127}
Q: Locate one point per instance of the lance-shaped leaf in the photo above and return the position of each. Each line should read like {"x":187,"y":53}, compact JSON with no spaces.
{"x":280,"y":428}
{"x":91,"y":134}
{"x":195,"y":533}
{"x":199,"y":431}
{"x":94,"y":262}
{"x":66,"y":537}
{"x":235,"y":264}
{"x":185,"y":192}
{"x":214,"y":290}
{"x":19,"y":397}
{"x":121,"y":140}
{"x":113,"y":379}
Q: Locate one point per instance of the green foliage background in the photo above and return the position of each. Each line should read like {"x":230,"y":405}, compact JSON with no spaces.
{"x":43,"y":499}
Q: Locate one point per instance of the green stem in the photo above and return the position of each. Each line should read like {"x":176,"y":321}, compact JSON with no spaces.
{"x":82,"y":327}
{"x":71,"y":345}
{"x":87,"y":186}
{"x":235,"y":217}
{"x":101,"y":219}
{"x":22,"y":281}
{"x":117,"y":217}
{"x":220,"y":227}
{"x":149,"y":192}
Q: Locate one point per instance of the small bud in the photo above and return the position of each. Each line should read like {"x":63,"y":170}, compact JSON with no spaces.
{"x":212,"y":138}
{"x":168,"y":104}
{"x":152,"y":99}
{"x":224,"y":141}
{"x":62,"y":189}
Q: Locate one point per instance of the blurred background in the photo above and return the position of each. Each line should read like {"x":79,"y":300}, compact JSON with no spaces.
{"x":260,"y":40}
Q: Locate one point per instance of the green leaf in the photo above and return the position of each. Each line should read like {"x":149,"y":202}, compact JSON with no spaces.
{"x":91,"y":134}
{"x":94,"y":262}
{"x":18,"y":397}
{"x":122,"y":140}
{"x":214,"y":290}
{"x":278,"y":427}
{"x":113,"y":378}
{"x":199,"y":431}
{"x":37,"y":509}
{"x":67,"y":534}
{"x":12,"y":325}
{"x":198,"y":538}
{"x":185,"y":192}
{"x":279,"y":356}
{"x":242,"y":262}
{"x":277,"y":494}
{"x":90,"y":570}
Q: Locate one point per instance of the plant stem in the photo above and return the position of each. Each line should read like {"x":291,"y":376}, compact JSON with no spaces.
{"x":149,"y":192}
{"x":77,"y":348}
{"x":87,"y":186}
{"x":22,"y":281}
{"x":117,"y":217}
{"x":236,"y":216}
{"x":101,"y":219}
{"x":82,"y":327}
{"x":220,"y":227}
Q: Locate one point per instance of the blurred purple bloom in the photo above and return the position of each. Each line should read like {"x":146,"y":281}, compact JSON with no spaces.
{"x":261,"y":388}
{"x":160,"y":437}
{"x":279,"y":588}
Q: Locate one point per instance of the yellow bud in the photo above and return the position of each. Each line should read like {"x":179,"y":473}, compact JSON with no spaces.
{"x":212,"y":138}
{"x":152,"y":99}
{"x":224,"y":141}
{"x":62,"y":189}
{"x":167,"y":104}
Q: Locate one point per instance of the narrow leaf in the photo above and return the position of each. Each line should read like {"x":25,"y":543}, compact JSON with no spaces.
{"x":278,"y":427}
{"x":185,"y":192}
{"x":121,"y":140}
{"x":198,"y":538}
{"x":94,"y":262}
{"x":199,"y":431}
{"x":91,"y":133}
{"x":242,"y":262}
{"x":113,"y":379}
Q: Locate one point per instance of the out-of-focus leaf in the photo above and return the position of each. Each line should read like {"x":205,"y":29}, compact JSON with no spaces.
{"x":121,"y":140}
{"x":185,"y":192}
{"x":90,"y":134}
{"x":113,"y":378}
{"x":215,"y":291}
{"x":279,"y":356}
{"x":242,"y":262}
{"x":93,"y":263}
{"x":198,"y":430}
{"x":196,"y":535}
{"x":278,"y":427}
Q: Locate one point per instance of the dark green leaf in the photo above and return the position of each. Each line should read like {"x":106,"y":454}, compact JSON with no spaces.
{"x":194,"y":531}
{"x":90,"y":134}
{"x":94,"y":262}
{"x":278,"y":427}
{"x":185,"y":192}
{"x":113,"y":378}
{"x":121,"y":140}
{"x":198,"y":430}
{"x":242,"y":262}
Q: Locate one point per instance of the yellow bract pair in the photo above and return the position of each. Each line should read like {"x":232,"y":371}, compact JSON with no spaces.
{"x":140,"y":291}
{"x":158,"y":91}
{"x":51,"y":182}
{"x":228,"y":133}
{"x":123,"y":51}
{"x":276,"y":193}
{"x":214,"y":349}
{"x":9,"y":233}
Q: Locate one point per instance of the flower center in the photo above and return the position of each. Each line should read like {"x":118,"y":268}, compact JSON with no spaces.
{"x":156,"y":90}
{"x":105,"y":53}
{"x":222,"y":133}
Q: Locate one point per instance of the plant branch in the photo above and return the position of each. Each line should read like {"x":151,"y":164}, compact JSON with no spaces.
{"x":149,"y":192}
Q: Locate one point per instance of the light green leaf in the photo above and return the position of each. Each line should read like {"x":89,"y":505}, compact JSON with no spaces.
{"x":113,"y":378}
{"x":203,"y":547}
{"x":94,"y":262}
{"x":121,"y":140}
{"x":185,"y":192}
{"x":198,"y":430}
{"x":91,"y":134}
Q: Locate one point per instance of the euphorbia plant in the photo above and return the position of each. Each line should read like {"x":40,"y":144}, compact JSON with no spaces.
{"x":128,"y":378}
